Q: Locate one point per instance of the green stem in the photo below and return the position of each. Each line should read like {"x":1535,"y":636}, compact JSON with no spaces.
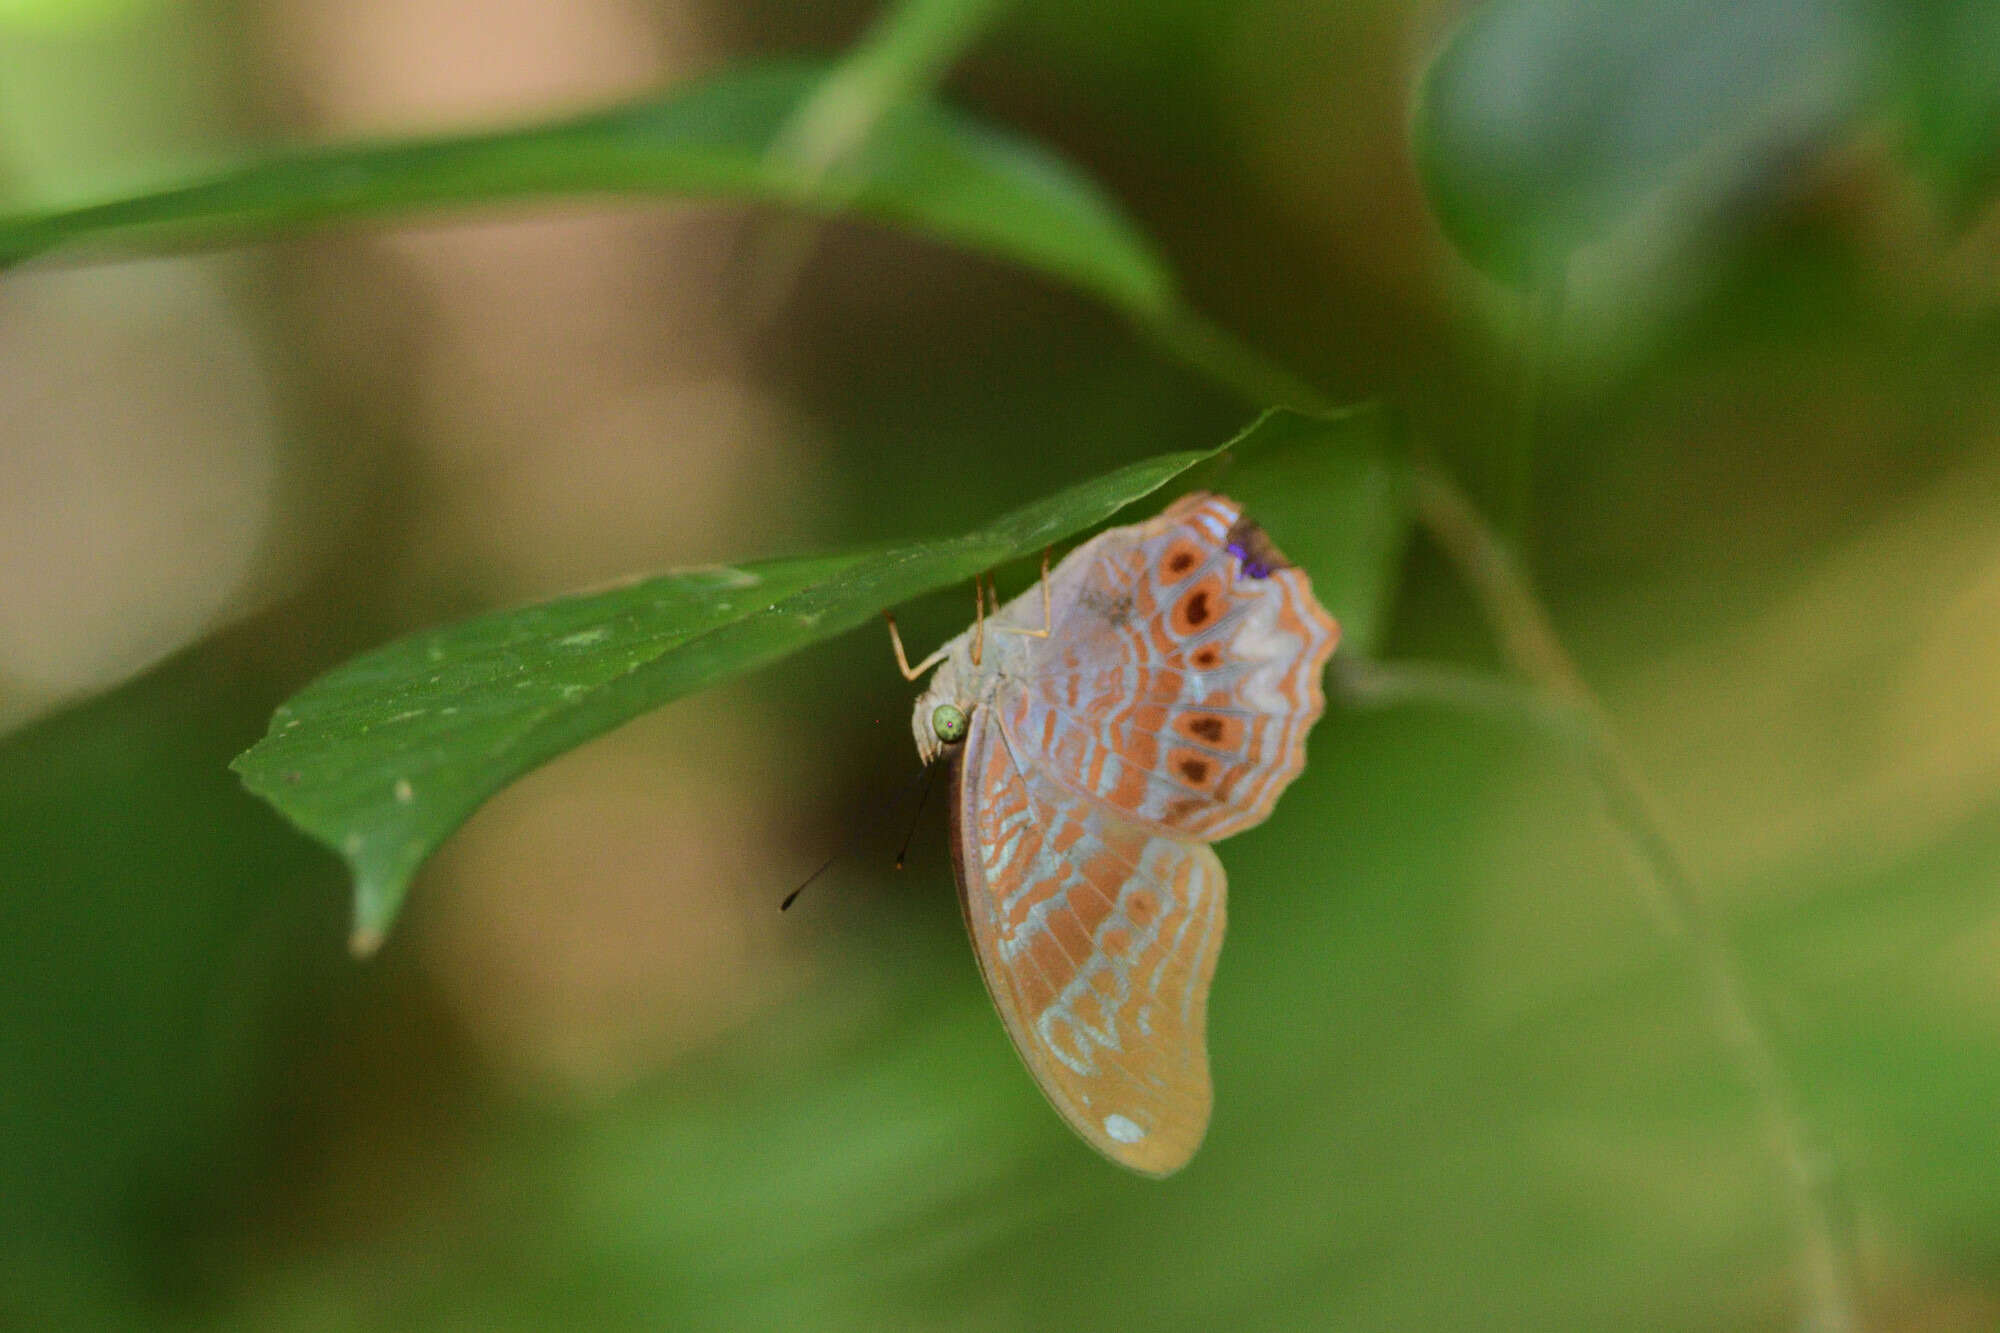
{"x":1530,"y":643}
{"x":904,"y":55}
{"x":1528,"y":640}
{"x":1363,"y":683}
{"x":1541,"y":328}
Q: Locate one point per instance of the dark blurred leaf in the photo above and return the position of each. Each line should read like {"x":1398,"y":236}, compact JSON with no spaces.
{"x":1543,"y":123}
{"x":922,"y":167}
{"x":152,"y":945}
{"x":382,"y":758}
{"x":1947,"y":75}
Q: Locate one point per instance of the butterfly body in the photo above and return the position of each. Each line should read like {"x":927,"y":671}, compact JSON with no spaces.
{"x":1165,"y":707}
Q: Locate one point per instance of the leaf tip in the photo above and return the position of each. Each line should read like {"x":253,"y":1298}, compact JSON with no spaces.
{"x":375,"y":903}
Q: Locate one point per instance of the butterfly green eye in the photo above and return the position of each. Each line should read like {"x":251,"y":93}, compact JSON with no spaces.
{"x":948,"y":722}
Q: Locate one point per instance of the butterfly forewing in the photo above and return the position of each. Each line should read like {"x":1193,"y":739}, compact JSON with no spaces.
{"x":1182,"y":674}
{"x":1098,"y":940}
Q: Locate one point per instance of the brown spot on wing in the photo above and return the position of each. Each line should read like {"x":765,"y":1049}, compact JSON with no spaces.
{"x":1115,"y":608}
{"x":1199,"y":608}
{"x":1181,"y":557}
{"x":1211,"y":729}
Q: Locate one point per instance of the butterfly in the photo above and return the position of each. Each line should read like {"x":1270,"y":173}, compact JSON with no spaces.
{"x":1155,"y":697}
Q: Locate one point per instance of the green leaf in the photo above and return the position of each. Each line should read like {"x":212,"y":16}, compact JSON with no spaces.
{"x":1945,"y":66}
{"x":922,"y":167}
{"x":1544,"y":123}
{"x":383,"y":757}
{"x":159,"y":941}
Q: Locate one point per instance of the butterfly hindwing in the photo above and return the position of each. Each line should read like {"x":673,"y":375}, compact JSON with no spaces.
{"x":1097,"y":938}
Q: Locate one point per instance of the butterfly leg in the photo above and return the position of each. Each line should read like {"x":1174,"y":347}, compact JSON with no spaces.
{"x":978,"y":621}
{"x":902,"y":662}
{"x":978,"y":637}
{"x":1048,"y":618}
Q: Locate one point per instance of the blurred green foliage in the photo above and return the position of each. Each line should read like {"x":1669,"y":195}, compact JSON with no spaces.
{"x":1544,"y":123}
{"x":1463,"y":1079}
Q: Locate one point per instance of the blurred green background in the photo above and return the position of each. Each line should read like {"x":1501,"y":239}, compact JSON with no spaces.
{"x":1464,"y":1078}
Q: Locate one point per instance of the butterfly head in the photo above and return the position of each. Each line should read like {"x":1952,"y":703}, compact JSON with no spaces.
{"x":942,"y":718}
{"x":948,"y":724}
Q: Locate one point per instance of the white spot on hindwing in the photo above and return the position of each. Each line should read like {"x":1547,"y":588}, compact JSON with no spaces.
{"x":1122,"y":1130}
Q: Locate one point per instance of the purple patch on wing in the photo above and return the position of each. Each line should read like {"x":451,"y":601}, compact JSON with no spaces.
{"x":1252,"y":566}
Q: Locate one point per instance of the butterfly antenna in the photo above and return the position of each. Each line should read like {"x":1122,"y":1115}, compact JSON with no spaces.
{"x":793,"y":896}
{"x":923,"y":776}
{"x":903,"y":852}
